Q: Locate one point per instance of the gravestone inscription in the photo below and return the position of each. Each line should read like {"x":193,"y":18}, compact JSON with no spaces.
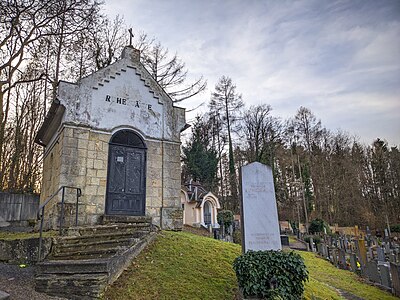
{"x":260,"y":226}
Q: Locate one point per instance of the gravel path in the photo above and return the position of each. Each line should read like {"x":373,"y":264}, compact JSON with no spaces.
{"x":19,"y":283}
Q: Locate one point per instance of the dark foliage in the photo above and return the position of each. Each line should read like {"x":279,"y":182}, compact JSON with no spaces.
{"x":271,"y":274}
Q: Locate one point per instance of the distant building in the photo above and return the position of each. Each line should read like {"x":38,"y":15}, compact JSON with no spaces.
{"x":285,"y":227}
{"x":200,"y":207}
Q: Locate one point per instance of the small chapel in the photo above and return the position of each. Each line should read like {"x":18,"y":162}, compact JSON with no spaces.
{"x":115,"y":135}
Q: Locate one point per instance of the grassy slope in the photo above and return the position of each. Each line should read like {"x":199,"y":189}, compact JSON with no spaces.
{"x":181,"y":265}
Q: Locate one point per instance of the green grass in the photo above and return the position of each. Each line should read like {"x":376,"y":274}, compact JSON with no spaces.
{"x":181,"y":265}
{"x":24,"y":235}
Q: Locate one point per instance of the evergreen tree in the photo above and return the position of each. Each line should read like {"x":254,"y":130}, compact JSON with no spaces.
{"x":200,"y":158}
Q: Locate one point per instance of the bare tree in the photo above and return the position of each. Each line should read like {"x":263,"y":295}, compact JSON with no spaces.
{"x":169,"y":71}
{"x":261,"y":132}
{"x":227,"y":103}
{"x":33,"y":35}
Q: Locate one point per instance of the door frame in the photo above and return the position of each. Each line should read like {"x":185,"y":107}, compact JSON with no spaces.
{"x":144,"y":148}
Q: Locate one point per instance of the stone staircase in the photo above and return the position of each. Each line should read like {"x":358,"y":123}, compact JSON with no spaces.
{"x":86,"y":259}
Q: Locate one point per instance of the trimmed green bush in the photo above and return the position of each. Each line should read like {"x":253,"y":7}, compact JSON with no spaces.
{"x":271,"y":274}
{"x":318,"y":225}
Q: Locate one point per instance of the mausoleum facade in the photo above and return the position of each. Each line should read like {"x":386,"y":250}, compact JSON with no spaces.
{"x":116,"y":135}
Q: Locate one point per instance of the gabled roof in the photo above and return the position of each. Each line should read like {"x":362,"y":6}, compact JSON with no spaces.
{"x":129,"y":61}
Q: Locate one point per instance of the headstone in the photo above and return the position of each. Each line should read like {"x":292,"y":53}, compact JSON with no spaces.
{"x":356,"y":231}
{"x":324,"y":250}
{"x":353,"y":262}
{"x":342,"y":259}
{"x":385,"y":276}
{"x":387,"y":247}
{"x":260,"y":224}
{"x":380,"y":253}
{"x":311,"y":244}
{"x":319,"y":249}
{"x":362,"y":252}
{"x":334,"y":257}
{"x":395,"y":272}
{"x":285,"y":240}
{"x":368,"y":231}
{"x":346,"y":243}
{"x":371,"y":271}
{"x":370,"y":254}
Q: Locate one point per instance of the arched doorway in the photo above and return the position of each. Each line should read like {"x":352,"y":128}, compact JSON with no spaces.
{"x":126,"y":178}
{"x":207,"y":213}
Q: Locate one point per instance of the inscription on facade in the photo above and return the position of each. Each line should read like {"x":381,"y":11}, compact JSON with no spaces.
{"x":124,"y":101}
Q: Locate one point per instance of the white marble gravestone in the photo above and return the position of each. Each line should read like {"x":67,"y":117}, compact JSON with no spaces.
{"x":260,"y":225}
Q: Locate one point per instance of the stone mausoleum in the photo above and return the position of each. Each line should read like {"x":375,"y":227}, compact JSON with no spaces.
{"x":116,"y":135}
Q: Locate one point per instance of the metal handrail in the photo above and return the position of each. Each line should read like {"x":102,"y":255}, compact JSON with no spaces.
{"x":40,"y":213}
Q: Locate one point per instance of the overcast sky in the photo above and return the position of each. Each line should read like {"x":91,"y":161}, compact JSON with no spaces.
{"x":341,"y":59}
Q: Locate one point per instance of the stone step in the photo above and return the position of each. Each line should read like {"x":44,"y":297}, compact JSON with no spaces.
{"x":86,"y":254}
{"x":85,"y":276}
{"x":72,"y":286}
{"x":72,"y":266}
{"x":103,"y":229}
{"x":84,"y":248}
{"x":87,"y":239}
{"x":107,"y":219}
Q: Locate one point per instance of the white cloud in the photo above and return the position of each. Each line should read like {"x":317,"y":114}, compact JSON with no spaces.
{"x":341,"y":59}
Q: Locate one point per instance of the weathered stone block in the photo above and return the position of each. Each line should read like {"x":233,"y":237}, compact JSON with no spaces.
{"x":102,"y":173}
{"x":79,"y":133}
{"x":83,"y":143}
{"x":91,"y":209}
{"x":91,"y":172}
{"x":101,"y":190}
{"x":91,"y":190}
{"x":94,"y":181}
{"x":172,"y":218}
{"x":98,"y":164}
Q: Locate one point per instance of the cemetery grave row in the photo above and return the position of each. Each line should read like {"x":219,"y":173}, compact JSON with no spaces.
{"x":376,"y":259}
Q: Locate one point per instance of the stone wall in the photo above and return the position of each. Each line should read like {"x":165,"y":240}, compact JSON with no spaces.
{"x":154,"y":184}
{"x":51,"y":179}
{"x":172,"y":213}
{"x":18,"y":207}
{"x":84,"y":165}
